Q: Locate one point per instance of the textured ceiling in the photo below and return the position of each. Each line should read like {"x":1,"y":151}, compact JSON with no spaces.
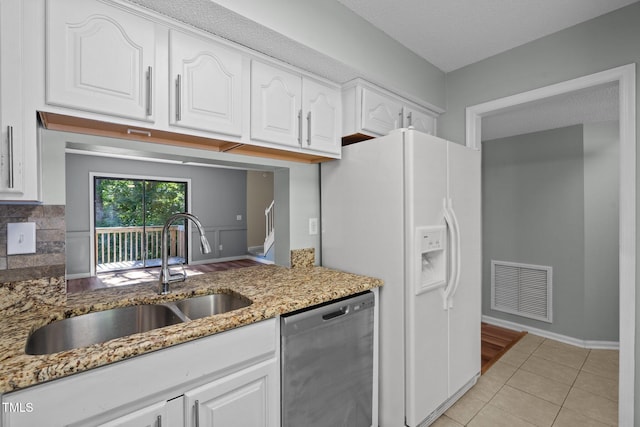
{"x":453,"y":33}
{"x":596,"y":104}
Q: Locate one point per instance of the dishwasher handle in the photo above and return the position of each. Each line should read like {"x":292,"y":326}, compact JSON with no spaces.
{"x":339,"y":312}
{"x":325,"y":314}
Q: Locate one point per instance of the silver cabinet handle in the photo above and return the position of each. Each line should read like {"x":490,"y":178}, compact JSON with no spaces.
{"x":400,"y":119}
{"x":309,"y":128}
{"x":10,"y":153}
{"x":149,"y":91}
{"x":159,"y":423}
{"x":197,"y":406}
{"x":178,"y":98}
{"x":300,"y":127}
{"x":410,"y":118}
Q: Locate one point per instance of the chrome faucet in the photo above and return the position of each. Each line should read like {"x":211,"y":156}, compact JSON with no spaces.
{"x":165,"y":275}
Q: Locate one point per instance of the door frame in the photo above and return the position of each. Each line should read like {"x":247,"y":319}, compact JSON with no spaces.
{"x":92,"y":234}
{"x":625,"y":76}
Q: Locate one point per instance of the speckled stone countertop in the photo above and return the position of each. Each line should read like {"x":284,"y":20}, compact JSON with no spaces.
{"x":273,"y":290}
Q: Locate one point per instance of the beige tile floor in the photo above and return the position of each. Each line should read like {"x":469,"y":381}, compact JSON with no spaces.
{"x":544,"y":383}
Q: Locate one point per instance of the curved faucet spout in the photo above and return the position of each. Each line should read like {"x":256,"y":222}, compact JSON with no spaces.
{"x":165,"y":275}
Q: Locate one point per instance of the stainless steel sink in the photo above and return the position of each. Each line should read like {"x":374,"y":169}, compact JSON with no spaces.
{"x":209,"y":305}
{"x":101,"y":326}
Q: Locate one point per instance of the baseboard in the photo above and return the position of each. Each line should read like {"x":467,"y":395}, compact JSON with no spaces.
{"x":77,"y":276}
{"x":591,"y":344}
{"x":216,"y":260}
{"x":259,"y":259}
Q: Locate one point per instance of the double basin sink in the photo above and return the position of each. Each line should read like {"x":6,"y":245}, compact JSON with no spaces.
{"x":101,"y":326}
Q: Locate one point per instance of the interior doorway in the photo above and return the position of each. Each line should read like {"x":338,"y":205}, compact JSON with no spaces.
{"x":129,"y":215}
{"x":625,"y":78}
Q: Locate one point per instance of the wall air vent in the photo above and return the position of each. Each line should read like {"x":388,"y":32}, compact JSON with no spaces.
{"x":522,"y":289}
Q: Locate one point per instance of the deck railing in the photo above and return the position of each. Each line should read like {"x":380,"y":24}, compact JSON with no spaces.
{"x":123,"y":244}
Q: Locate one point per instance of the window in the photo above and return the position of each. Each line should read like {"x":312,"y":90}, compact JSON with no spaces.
{"x":128,"y":218}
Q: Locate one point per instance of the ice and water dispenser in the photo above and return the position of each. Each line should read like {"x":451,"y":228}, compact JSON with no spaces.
{"x":431,"y":244}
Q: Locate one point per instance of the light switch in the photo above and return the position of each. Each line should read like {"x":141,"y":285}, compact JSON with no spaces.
{"x":313,"y":226}
{"x":238,"y":217}
{"x":21,"y":238}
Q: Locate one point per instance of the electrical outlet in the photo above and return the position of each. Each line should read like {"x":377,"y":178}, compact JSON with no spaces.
{"x":238,"y":217}
{"x":313,"y":226}
{"x":219,"y":247}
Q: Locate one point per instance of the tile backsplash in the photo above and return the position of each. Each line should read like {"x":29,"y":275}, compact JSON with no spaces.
{"x":49,"y":259}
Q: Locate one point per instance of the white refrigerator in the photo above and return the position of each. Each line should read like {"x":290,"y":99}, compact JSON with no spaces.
{"x":406,"y":208}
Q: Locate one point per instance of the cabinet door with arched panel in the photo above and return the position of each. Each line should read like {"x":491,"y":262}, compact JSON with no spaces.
{"x":206,"y":86}
{"x":276,"y":104}
{"x":100,"y":58}
{"x":321,"y":106}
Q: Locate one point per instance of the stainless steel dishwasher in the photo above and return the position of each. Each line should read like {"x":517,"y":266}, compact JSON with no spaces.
{"x":327,"y":364}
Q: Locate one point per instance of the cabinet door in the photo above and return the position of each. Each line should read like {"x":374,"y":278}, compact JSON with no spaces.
{"x":380,"y":114}
{"x":321,"y":106}
{"x":275,"y":105}
{"x":151,"y":416}
{"x":249,"y":398}
{"x":99,"y":58}
{"x":419,"y":120}
{"x":206,"y":90}
{"x":11,"y":143}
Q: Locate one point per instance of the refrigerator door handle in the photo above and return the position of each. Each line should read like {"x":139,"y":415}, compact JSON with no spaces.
{"x":448,"y":219}
{"x":457,"y":257}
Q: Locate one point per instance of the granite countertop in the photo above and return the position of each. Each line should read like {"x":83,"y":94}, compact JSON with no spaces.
{"x":273,"y":290}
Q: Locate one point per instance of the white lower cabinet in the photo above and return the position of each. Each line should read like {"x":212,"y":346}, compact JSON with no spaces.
{"x":154,"y":415}
{"x":246,"y":398}
{"x":232,"y":378}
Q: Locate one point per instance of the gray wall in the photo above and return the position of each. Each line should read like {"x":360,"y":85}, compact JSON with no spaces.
{"x":551,"y":198}
{"x":609,"y":41}
{"x":337,"y":32}
{"x":217,"y":196}
{"x":294,"y":183}
{"x":601,"y":228}
{"x":533,"y":213}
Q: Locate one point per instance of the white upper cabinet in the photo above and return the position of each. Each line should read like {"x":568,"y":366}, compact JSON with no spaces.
{"x":293,"y":110}
{"x":419,"y":120}
{"x":276,"y":97}
{"x":100,"y":58}
{"x":370,"y":111}
{"x":11,"y":153}
{"x":19,"y":153}
{"x":322,"y":106}
{"x":380,"y":114}
{"x":206,"y":87}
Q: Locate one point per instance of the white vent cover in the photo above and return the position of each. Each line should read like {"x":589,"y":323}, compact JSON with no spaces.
{"x":522,"y":289}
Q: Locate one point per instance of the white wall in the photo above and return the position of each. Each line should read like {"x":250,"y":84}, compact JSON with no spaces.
{"x":601,"y":227}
